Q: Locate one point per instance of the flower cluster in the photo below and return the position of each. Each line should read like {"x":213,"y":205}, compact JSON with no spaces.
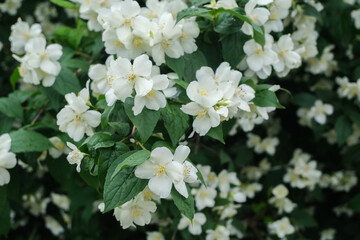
{"x":216,"y":97}
{"x":130,"y":30}
{"x":40,"y":62}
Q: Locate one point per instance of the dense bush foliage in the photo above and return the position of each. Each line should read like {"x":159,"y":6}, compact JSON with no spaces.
{"x":173,"y":119}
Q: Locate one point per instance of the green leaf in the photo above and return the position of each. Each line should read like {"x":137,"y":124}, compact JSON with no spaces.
{"x":217,"y":133}
{"x":145,"y":122}
{"x":311,"y":11}
{"x":266,"y":98}
{"x":107,"y":157}
{"x":181,"y":83}
{"x":66,"y":82}
{"x":176,"y":121}
{"x":28,"y":141}
{"x":259,"y":32}
{"x":11,"y":107}
{"x":224,"y":157}
{"x":303,"y":218}
{"x":185,"y":205}
{"x":135,"y":159}
{"x":176,"y":64}
{"x":232,"y":48}
{"x":68,"y":35}
{"x":343,"y":129}
{"x":123,"y":187}
{"x":15,"y":77}
{"x":100,"y":140}
{"x":305,"y":100}
{"x":5,"y":219}
{"x":354,"y":203}
{"x":2,"y":197}
{"x":226,"y":23}
{"x":193,"y":62}
{"x":191,"y":12}
{"x":63,"y":3}
{"x":353,"y":114}
{"x":106,"y":114}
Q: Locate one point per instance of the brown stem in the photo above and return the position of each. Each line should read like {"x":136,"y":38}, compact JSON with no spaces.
{"x":39,"y":113}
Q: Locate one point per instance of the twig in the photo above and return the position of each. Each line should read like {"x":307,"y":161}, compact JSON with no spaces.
{"x":39,"y":113}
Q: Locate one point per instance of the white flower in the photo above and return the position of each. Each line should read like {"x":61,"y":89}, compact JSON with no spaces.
{"x":281,"y":227}
{"x":163,"y":171}
{"x":205,"y":119}
{"x":279,"y":10}
{"x":355,"y":14}
{"x":154,"y":236}
{"x":53,"y":225}
{"x":282,"y":204}
{"x":75,"y":156}
{"x":194,"y":225}
{"x":58,"y":149}
{"x":124,"y":77}
{"x":250,"y":189}
{"x":328,"y":234}
{"x":167,"y":39}
{"x":226,"y":4}
{"x":280,"y":191}
{"x":205,"y":197}
{"x":320,"y":110}
{"x":75,"y":119}
{"x":44,"y":57}
{"x":7,"y":159}
{"x":257,"y":15}
{"x":204,"y":91}
{"x":98,"y":75}
{"x":259,"y":59}
{"x":62,"y":201}
{"x":21,"y":33}
{"x":210,"y":177}
{"x":225,"y":179}
{"x":10,"y":6}
{"x":136,"y":211}
{"x":220,"y":232}
{"x":190,"y":31}
{"x":288,"y":58}
{"x":154,"y":99}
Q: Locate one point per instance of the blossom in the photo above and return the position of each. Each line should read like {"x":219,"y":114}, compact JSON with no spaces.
{"x":75,"y":156}
{"x":154,"y":99}
{"x":62,"y":201}
{"x":205,"y":118}
{"x":328,"y":234}
{"x":257,"y":15}
{"x":281,"y":227}
{"x":163,"y":171}
{"x":7,"y":159}
{"x":10,"y":6}
{"x":124,"y":77}
{"x":21,"y":33}
{"x":225,"y":179}
{"x":205,"y":197}
{"x":75,"y":119}
{"x":320,"y":110}
{"x":58,"y":149}
{"x":288,"y":58}
{"x":220,"y":232}
{"x":136,"y":211}
{"x":194,"y":225}
{"x":53,"y":225}
{"x":154,"y":236}
{"x":259,"y":59}
{"x":98,"y":75}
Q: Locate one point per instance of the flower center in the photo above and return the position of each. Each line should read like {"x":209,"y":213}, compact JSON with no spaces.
{"x":151,"y":94}
{"x":59,"y":145}
{"x":160,"y":172}
{"x":137,"y":213}
{"x":78,"y":117}
{"x":132,"y":77}
{"x":118,"y":44}
{"x":203,"y":92}
{"x":201,"y":115}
